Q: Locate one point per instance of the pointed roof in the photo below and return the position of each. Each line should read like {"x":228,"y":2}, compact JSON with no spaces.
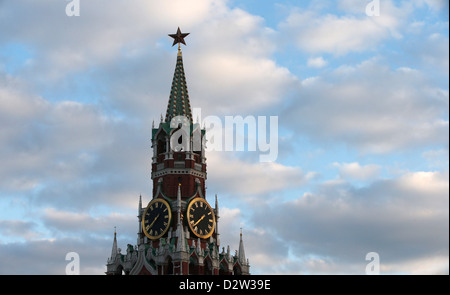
{"x":140,"y":205}
{"x":241,"y":253}
{"x":181,"y":247}
{"x":114,"y":250}
{"x":179,"y":104}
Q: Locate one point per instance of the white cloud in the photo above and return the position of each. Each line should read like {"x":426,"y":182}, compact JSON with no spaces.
{"x":237,"y":83}
{"x":426,"y":183}
{"x":316,"y":33}
{"x":355,"y":171}
{"x":405,"y":220}
{"x":115,"y":54}
{"x":316,"y":62}
{"x":63,"y":152}
{"x":243,"y":178}
{"x":372,"y":108}
{"x":64,"y":44}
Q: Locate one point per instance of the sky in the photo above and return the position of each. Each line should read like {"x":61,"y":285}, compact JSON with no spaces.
{"x":362,"y":104}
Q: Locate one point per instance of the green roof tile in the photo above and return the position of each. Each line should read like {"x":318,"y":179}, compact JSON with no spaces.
{"x":179,"y":104}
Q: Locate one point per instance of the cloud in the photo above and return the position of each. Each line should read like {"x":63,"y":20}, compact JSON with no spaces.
{"x":18,"y":228}
{"x":45,"y":241}
{"x":437,"y":159}
{"x":67,"y":44}
{"x":237,"y":84}
{"x":316,"y":62}
{"x":434,"y":5}
{"x":242,"y":178}
{"x":404,"y":219}
{"x":80,"y":147}
{"x":67,"y":223}
{"x":121,"y":47}
{"x":372,"y":108}
{"x":48,"y":256}
{"x":230,"y":222}
{"x":317,"y":32}
{"x":355,"y":171}
{"x":64,"y":152}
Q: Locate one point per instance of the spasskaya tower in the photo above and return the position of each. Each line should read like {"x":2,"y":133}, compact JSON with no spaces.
{"x":178,"y":229}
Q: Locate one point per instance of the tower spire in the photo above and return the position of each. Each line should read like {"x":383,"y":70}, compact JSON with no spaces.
{"x":114,"y":250}
{"x":217,"y":221}
{"x":179,"y":104}
{"x":241,"y":253}
{"x":180,"y":231}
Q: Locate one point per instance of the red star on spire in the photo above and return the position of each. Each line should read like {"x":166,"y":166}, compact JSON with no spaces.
{"x":178,"y":37}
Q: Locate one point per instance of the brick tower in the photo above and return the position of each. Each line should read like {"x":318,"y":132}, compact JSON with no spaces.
{"x":178,"y":229}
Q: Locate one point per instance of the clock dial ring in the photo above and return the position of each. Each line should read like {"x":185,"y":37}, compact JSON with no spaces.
{"x":201,"y":218}
{"x":156,"y":219}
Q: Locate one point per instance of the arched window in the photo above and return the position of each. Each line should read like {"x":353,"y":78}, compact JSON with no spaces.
{"x":208,"y":268}
{"x":193,"y":265}
{"x":119,"y":270}
{"x":237,"y":270}
{"x":169,"y":266}
{"x":223,"y":269}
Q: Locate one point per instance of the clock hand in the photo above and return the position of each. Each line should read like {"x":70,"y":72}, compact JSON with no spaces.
{"x":151,"y":224}
{"x":199,"y":220}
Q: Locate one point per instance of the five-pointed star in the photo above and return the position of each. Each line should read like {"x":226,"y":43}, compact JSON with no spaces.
{"x":178,"y":37}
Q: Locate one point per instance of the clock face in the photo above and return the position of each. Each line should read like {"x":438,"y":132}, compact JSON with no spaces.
{"x":156,"y":219}
{"x":201,"y":218}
